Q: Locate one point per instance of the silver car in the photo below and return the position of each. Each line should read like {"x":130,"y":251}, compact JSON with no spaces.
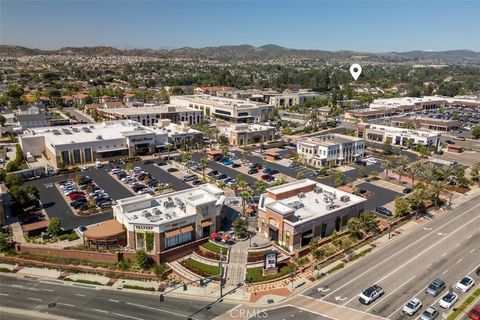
{"x":429,"y":314}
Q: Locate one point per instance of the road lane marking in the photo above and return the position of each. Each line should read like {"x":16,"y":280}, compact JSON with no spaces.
{"x":49,"y":290}
{"x":407,"y":247}
{"x":125,"y":316}
{"x":157,"y":309}
{"x":472,"y":250}
{"x":460,"y":260}
{"x":80,"y":295}
{"x":443,"y":255}
{"x":16,"y":286}
{"x":445,"y":271}
{"x":419,"y":254}
{"x":383,"y":298}
{"x":111,"y":300}
{"x":65,"y":304}
{"x":34,"y":299}
{"x":458,"y":244}
{"x":98,"y":310}
{"x":470,"y":236}
{"x":4,"y":294}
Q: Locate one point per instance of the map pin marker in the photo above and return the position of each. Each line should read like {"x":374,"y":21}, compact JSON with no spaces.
{"x":355,"y":70}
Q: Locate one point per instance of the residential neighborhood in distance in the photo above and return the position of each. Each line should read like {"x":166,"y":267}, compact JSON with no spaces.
{"x":154,"y":165}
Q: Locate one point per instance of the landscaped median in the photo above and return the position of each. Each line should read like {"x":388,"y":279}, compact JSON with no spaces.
{"x":215,"y":248}
{"x":200,"y":268}
{"x":256,"y":274}
{"x":465,"y":304}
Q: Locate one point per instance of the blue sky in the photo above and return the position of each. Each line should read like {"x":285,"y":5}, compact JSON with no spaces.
{"x":373,"y":26}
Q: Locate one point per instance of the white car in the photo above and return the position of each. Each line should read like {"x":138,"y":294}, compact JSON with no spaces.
{"x":83,"y":168}
{"x":412,"y":306}
{"x":465,"y":284}
{"x":259,"y":151}
{"x":98,"y":164}
{"x":371,"y":161}
{"x":448,"y":300}
{"x":370,"y":294}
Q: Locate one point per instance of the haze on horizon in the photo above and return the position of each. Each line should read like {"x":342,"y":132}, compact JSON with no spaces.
{"x":362,"y":25}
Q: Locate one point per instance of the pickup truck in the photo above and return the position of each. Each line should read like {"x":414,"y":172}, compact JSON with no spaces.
{"x":370,"y":294}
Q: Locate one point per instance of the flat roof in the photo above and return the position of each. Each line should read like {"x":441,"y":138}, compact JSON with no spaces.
{"x":148,"y":110}
{"x":81,"y":133}
{"x":244,"y":127}
{"x":306,"y":206}
{"x":158,"y":210}
{"x":411,"y":132}
{"x":104,"y":230}
{"x":329,"y":140}
{"x":221,"y":102}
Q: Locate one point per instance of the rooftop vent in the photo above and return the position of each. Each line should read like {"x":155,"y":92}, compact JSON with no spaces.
{"x":301,"y":195}
{"x":99,"y":137}
{"x":345,"y":198}
{"x":318,"y":189}
{"x":330,"y":206}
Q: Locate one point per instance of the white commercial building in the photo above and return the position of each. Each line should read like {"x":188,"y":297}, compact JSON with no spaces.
{"x":408,"y":104}
{"x":172,"y":219}
{"x":286,"y":100}
{"x":242,"y":134}
{"x":149,"y":116}
{"x":397,"y":136}
{"x":233,"y":110}
{"x":319,"y":151}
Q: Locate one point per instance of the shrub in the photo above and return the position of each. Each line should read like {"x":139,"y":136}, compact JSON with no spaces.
{"x":142,"y":259}
{"x":337,"y":267}
{"x":128,"y":286}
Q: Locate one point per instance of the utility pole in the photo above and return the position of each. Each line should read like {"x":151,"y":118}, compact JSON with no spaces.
{"x":389,"y":229}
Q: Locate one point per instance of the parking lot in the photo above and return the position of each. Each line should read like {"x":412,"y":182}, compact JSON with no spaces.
{"x":55,"y":205}
{"x":380,"y":197}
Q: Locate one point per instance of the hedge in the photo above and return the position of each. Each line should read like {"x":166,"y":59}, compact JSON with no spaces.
{"x":256,"y":274}
{"x":461,"y":309}
{"x":128,"y":286}
{"x":201,"y":268}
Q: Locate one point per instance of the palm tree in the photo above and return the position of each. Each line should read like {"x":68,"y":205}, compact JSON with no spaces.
{"x":475,"y":172}
{"x":446,"y":172}
{"x":429,"y":173}
{"x":204,"y":164}
{"x":387,"y":166}
{"x":415,"y":169}
{"x":417,"y":197}
{"x":169,"y":148}
{"x":435,"y":188}
{"x":401,"y":171}
{"x":260,"y":186}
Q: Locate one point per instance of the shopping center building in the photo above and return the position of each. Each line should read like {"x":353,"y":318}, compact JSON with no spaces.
{"x":295,"y":213}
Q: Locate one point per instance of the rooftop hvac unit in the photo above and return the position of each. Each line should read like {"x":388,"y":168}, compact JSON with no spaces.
{"x":99,"y":137}
{"x":297,"y":205}
{"x":146,"y":214}
{"x":301,"y":195}
{"x":318,"y":189}
{"x":345,"y":198}
{"x":330,"y":206}
{"x":157,"y":211}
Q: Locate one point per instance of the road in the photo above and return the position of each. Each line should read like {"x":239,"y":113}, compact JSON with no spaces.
{"x":446,"y":247}
{"x":86,"y":302}
{"x":78,"y":115}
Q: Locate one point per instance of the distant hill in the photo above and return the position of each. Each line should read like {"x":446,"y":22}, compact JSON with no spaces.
{"x":249,"y":52}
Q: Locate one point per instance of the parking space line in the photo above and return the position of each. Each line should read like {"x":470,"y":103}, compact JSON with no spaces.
{"x":98,"y":310}
{"x":65,"y":304}
{"x":125,"y":316}
{"x":34,"y":299}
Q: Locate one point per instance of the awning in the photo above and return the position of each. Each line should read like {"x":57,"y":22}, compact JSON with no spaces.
{"x":206,"y":223}
{"x":186,"y":229}
{"x":142,"y":146}
{"x":272,"y":227}
{"x":110,"y":150}
{"x":172,"y":233}
{"x":309,"y":235}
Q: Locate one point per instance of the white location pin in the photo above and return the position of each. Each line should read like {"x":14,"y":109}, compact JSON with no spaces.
{"x":355,"y":70}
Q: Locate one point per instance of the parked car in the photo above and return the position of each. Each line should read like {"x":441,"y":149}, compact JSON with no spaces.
{"x":253,"y":171}
{"x":267,"y":170}
{"x":189,"y":178}
{"x":222,"y":176}
{"x":197,"y":182}
{"x":78,"y":201}
{"x":439,"y":152}
{"x":429,"y":314}
{"x":435,"y":287}
{"x":448,"y":300}
{"x":370,"y":294}
{"x":274,"y":171}
{"x":76,"y":196}
{"x":293,"y":165}
{"x":172,"y":170}
{"x":236,"y":165}
{"x":98,"y":164}
{"x":361,"y":162}
{"x":478,"y":271}
{"x":474,"y":313}
{"x":106,"y":204}
{"x":212,"y":173}
{"x":384,"y":211}
{"x":259,"y":150}
{"x":228,"y":162}
{"x":412,"y":306}
{"x":465,"y":284}
{"x":82,"y":229}
{"x":149,"y":161}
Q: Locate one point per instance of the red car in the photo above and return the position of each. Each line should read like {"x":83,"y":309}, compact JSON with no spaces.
{"x":76,"y":196}
{"x":474,"y":314}
{"x":266,"y":177}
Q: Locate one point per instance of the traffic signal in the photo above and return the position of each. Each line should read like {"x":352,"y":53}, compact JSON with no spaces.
{"x":162,"y":298}
{"x":184,"y":287}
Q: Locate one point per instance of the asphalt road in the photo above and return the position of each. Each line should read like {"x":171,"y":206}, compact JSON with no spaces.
{"x":446,"y":247}
{"x":283,"y":313}
{"x":78,"y":115}
{"x":164,"y":177}
{"x":86,"y":302}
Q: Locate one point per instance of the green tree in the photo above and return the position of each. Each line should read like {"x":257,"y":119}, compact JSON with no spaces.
{"x":387,"y":166}
{"x":142,"y":259}
{"x":240,"y":227}
{"x":6,"y":242}
{"x":402,"y":206}
{"x":369,"y":221}
{"x":339,"y":178}
{"x":54,"y":227}
{"x":355,"y":227}
{"x":13,"y":180}
{"x":2,"y":120}
{"x":476,"y":132}
{"x":204,"y":164}
{"x":260,"y":186}
{"x":300,"y":175}
{"x":435,"y":189}
{"x":387,"y":147}
{"x":362,"y":171}
{"x":415,"y":169}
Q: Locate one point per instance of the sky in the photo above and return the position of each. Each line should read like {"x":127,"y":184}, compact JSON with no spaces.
{"x":360,"y":25}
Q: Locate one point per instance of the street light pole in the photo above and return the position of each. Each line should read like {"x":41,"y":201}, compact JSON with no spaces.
{"x":221,"y":274}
